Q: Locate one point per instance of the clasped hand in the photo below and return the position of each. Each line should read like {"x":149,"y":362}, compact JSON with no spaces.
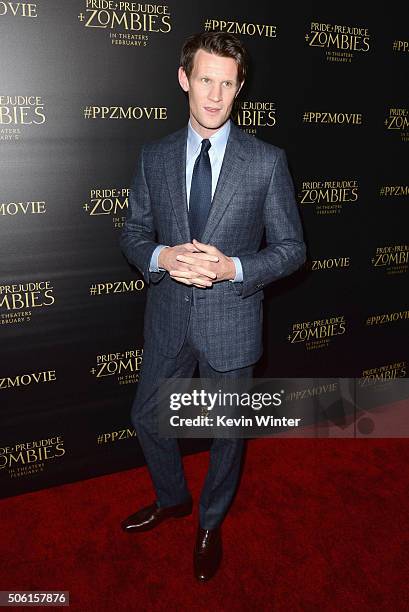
{"x":196,"y":263}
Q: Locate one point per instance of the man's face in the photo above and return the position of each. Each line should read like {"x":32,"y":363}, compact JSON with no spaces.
{"x":212,"y":87}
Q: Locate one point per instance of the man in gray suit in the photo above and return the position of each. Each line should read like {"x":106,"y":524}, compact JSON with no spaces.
{"x":200,"y":201}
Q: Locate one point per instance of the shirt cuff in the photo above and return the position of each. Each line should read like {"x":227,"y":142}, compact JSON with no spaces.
{"x":153,"y":266}
{"x":239,"y":271}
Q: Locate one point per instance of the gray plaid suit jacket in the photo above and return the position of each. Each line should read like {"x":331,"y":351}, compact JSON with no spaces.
{"x":254,"y":193}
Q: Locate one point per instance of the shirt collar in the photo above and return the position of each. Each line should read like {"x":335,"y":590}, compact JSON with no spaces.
{"x":218,"y":140}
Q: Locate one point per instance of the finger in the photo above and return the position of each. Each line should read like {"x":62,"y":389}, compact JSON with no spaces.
{"x":200,"y":255}
{"x":207,"y":248}
{"x":203,"y":271}
{"x":195,"y":256}
{"x":193,"y":272}
{"x":200,"y":282}
{"x":190,"y":247}
{"x":186,"y":267}
{"x":185,"y":281}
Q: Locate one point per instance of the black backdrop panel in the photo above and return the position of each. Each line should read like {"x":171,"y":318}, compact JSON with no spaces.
{"x":82,"y":85}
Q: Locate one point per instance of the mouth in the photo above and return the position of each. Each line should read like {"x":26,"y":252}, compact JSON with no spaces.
{"x":212,"y":110}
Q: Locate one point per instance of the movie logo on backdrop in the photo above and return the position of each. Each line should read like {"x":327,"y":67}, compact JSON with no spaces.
{"x":240,"y":28}
{"x":312,"y":391}
{"x":332,"y":118}
{"x":30,"y":458}
{"x":110,"y":287}
{"x":129,"y":24}
{"x":397,"y":120}
{"x":393,"y":259}
{"x":329,"y":264}
{"x":19,"y":301}
{"x":340,"y":42}
{"x":329,"y":197}
{"x":109,"y":202}
{"x":24,"y":380}
{"x":394,"y":191}
{"x":400,"y":46}
{"x":110,"y":437}
{"x":123,"y":367}
{"x":387,"y":371}
{"x":156,"y":113}
{"x":387,"y":317}
{"x":251,"y":115}
{"x":319,"y":333}
{"x":17,"y":112}
{"x":16,"y":208}
{"x":18,"y":9}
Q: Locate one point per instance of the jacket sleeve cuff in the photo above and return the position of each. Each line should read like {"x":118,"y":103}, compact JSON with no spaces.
{"x":153,"y":266}
{"x":239,"y":271}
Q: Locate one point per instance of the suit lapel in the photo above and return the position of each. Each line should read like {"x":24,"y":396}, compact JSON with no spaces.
{"x":235,"y":162}
{"x":175,"y":169}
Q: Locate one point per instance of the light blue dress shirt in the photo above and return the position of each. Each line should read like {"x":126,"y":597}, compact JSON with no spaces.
{"x":216,"y":155}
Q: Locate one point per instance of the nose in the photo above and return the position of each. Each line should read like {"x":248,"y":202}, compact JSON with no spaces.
{"x":215,"y":92}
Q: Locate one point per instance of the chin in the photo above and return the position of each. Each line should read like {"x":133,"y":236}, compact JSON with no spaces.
{"x":214,"y":125}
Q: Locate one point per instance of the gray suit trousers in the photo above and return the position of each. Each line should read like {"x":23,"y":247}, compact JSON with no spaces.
{"x":162,"y":455}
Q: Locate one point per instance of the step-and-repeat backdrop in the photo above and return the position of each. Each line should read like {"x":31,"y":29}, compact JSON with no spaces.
{"x":83,"y":84}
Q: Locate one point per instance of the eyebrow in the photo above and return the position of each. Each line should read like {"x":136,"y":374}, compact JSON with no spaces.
{"x":205,"y":76}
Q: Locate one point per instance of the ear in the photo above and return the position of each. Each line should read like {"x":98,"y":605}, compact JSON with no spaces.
{"x":183,"y":80}
{"x":239,"y":89}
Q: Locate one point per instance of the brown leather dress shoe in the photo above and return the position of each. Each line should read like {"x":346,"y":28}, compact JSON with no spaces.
{"x":150,"y":516}
{"x":207,"y":553}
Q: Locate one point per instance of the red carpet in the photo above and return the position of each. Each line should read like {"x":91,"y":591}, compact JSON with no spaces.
{"x":316,"y":525}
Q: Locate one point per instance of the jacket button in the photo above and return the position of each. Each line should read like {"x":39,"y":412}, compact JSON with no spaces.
{"x":187,"y":298}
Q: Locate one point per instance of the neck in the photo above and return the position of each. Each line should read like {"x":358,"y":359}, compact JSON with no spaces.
{"x":203,"y":131}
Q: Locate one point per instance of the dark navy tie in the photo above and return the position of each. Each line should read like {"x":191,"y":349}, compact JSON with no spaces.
{"x":200,"y":192}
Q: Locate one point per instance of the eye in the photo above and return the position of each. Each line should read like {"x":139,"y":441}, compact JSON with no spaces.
{"x":228,"y":83}
{"x":205,"y":80}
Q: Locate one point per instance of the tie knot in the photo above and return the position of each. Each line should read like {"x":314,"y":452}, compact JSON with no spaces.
{"x":206,"y":144}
